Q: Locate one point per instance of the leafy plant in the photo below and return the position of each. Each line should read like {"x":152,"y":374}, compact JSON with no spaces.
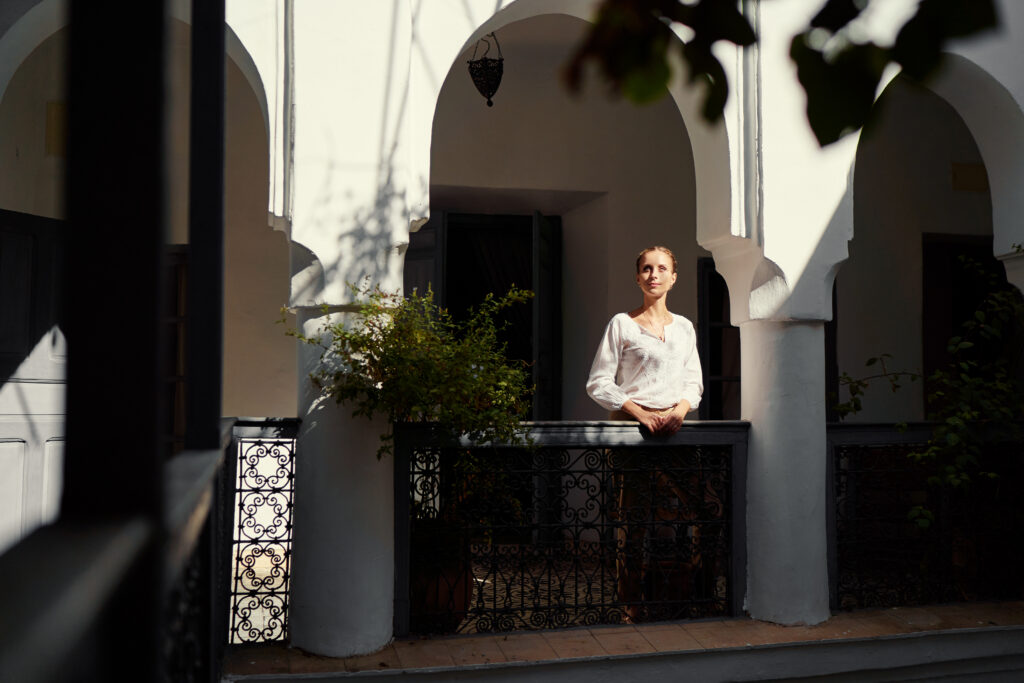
{"x":856,"y":386}
{"x":839,"y":69}
{"x":978,"y":399}
{"x":409,"y":360}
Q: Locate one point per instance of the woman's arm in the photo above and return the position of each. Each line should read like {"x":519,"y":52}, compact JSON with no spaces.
{"x":693,"y":376}
{"x":601,"y":384}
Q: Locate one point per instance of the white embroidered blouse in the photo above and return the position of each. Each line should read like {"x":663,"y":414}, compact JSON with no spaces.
{"x":632,"y":363}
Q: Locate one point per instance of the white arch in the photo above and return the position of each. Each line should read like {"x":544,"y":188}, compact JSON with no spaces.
{"x":710,"y":142}
{"x":49,"y":16}
{"x":997,"y":124}
{"x":26,"y":34}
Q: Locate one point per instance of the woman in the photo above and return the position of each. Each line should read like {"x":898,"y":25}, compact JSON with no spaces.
{"x":646,"y":369}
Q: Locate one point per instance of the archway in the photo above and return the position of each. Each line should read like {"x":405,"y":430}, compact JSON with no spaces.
{"x":619,"y":176}
{"x":921,"y":197}
{"x":996,"y":122}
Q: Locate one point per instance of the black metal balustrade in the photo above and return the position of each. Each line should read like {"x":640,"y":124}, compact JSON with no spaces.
{"x":592,"y":524}
{"x":879,"y":556}
{"x":264,"y":476}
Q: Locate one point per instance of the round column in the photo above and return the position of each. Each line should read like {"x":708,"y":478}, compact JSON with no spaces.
{"x":783,"y":396}
{"x":342,"y":595}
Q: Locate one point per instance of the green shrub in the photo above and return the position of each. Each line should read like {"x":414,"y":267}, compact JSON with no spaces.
{"x":409,"y":360}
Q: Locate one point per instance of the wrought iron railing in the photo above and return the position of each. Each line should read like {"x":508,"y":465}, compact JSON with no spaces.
{"x":880,"y":556}
{"x":264,"y":475}
{"x":593,"y":524}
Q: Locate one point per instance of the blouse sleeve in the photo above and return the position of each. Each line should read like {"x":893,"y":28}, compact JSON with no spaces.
{"x":601,"y":385}
{"x":693,"y":377}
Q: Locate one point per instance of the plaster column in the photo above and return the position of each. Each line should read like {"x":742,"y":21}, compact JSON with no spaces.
{"x":1014,"y":264}
{"x":783,"y":369}
{"x":352,"y":175}
{"x":342,"y":593}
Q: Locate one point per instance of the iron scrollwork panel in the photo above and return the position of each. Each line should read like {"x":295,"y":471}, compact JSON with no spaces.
{"x":507,"y":539}
{"x":886,"y":559}
{"x":262,"y":540}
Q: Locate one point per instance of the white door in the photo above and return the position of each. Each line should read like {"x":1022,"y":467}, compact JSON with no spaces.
{"x":32,"y":371}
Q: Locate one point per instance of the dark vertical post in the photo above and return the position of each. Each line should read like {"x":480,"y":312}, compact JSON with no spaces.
{"x":205,"y":299}
{"x":403,"y":454}
{"x":205,"y":333}
{"x":738,"y":523}
{"x":221,"y":523}
{"x":112,"y":295}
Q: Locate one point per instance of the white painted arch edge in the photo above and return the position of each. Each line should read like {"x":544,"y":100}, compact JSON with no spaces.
{"x":48,"y":17}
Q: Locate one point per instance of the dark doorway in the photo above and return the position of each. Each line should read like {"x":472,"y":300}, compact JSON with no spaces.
{"x":957,"y":273}
{"x":30,"y":254}
{"x":718,"y":343}
{"x":463,"y":257}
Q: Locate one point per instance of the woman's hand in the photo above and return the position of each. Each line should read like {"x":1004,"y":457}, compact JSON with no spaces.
{"x":661,"y":424}
{"x":652,"y":421}
{"x":672,"y":421}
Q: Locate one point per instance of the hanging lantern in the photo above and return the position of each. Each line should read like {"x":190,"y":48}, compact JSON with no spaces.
{"x":486,"y":71}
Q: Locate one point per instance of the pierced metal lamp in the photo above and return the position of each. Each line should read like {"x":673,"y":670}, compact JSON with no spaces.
{"x":486,"y":71}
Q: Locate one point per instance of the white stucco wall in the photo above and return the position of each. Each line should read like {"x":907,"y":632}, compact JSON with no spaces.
{"x":538,"y":138}
{"x":259,"y":360}
{"x":260,"y":26}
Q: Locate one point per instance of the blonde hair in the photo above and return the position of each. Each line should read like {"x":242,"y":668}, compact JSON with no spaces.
{"x":664,"y":250}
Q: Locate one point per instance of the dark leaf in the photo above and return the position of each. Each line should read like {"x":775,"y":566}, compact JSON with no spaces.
{"x":918,"y":47}
{"x":704,"y":66}
{"x":836,"y":14}
{"x":841,"y":90}
{"x":715,"y":20}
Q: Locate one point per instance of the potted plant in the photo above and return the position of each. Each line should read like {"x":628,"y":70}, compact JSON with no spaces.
{"x":410,"y":360}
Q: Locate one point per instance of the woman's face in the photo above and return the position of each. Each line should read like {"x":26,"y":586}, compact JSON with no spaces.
{"x":656,"y":276}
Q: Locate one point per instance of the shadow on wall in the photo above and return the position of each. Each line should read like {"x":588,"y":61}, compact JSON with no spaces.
{"x":375,"y":235}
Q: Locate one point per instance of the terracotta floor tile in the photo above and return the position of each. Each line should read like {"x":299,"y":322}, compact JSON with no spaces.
{"x":665,"y":639}
{"x":766,"y":633}
{"x":995,"y":613}
{"x":474,"y":650}
{"x":574,"y":643}
{"x":876,"y":624}
{"x":836,"y":628}
{"x":271,"y":659}
{"x":306,"y":663}
{"x":917,"y":618}
{"x":385,"y":659}
{"x":420,"y":654}
{"x":658,"y":626}
{"x":714,"y":634}
{"x":530,"y":647}
{"x":622,"y":642}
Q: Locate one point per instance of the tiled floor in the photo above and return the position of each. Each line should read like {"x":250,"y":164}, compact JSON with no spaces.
{"x":414,"y":653}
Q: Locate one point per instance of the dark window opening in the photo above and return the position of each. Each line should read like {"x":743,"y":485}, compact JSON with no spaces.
{"x":718,"y":343}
